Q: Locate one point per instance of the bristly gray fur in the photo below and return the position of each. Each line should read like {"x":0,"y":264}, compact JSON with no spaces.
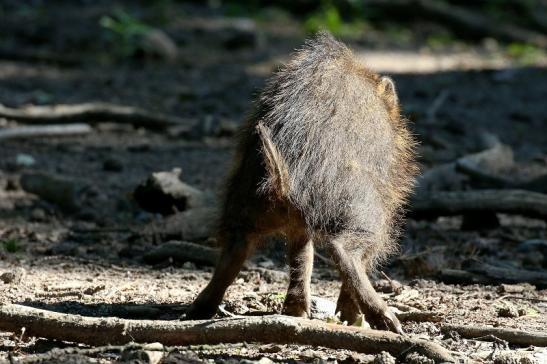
{"x":348,"y":162}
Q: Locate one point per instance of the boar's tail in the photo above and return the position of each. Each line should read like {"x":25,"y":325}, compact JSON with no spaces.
{"x":277,"y":181}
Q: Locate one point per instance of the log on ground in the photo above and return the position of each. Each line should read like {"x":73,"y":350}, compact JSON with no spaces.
{"x":266,"y":329}
{"x":91,"y":113}
{"x":520,"y":202}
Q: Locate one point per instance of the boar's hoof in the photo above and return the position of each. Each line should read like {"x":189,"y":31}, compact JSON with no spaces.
{"x":385,"y":320}
{"x":296,"y":311}
{"x":199,"y":312}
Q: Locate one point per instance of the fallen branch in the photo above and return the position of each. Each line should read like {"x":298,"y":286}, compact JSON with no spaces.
{"x":512,"y":336}
{"x":90,"y":112}
{"x":44,"y":131}
{"x":433,"y":204}
{"x":268,"y":329}
{"x":483,"y":273}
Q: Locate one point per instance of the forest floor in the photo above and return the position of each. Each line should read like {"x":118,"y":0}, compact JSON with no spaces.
{"x":89,"y":261}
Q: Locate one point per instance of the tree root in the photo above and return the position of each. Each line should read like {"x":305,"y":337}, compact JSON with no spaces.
{"x":267,"y":329}
{"x":91,"y":113}
{"x":512,"y":336}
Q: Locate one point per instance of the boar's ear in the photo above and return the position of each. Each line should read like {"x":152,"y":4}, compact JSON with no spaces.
{"x":386,"y":88}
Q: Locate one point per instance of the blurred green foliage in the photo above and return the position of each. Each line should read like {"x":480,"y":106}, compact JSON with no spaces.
{"x":399,"y":23}
{"x":327,"y":17}
{"x":439,"y":39}
{"x":10,"y":245}
{"x":124,"y":32}
{"x":524,"y":53}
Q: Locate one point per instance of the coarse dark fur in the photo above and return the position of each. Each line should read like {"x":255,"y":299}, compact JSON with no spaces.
{"x":325,"y":158}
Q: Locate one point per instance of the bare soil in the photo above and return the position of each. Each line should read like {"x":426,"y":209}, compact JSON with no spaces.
{"x":90,"y":262}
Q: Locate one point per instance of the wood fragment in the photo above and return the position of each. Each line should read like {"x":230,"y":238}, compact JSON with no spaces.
{"x":92,"y":113}
{"x":512,"y":336}
{"x":479,"y":175}
{"x":182,"y":251}
{"x":453,"y":176}
{"x":520,"y":202}
{"x":268,"y":329}
{"x":22,"y":132}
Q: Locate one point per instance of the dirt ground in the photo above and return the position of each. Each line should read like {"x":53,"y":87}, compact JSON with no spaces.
{"x":89,"y":261}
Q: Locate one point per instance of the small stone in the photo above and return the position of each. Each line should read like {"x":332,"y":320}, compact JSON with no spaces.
{"x":7,"y":277}
{"x":13,"y":277}
{"x":322,"y":308}
{"x":507,"y":311}
{"x":265,"y":360}
{"x":511,"y":357}
{"x":24,"y":160}
{"x":189,"y":265}
{"x":154,"y":347}
{"x":165,"y":193}
{"x":142,"y":356}
{"x":415,"y":358}
{"x":38,"y":214}
{"x":271,"y":348}
{"x":384,"y":358}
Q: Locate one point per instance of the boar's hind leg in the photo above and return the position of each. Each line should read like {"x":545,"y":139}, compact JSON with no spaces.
{"x":300,"y":256}
{"x":348,"y":258}
{"x":349,"y":311}
{"x":236,"y":248}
